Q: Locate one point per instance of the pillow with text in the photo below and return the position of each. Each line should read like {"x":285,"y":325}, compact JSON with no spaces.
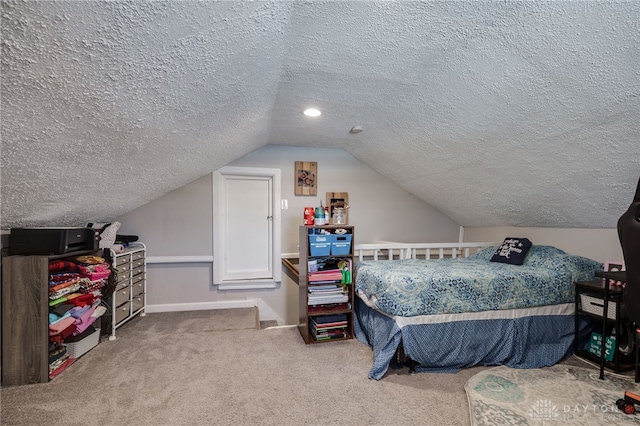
{"x":512,"y":251}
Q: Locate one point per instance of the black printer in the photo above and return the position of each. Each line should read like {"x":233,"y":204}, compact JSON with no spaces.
{"x":52,"y":240}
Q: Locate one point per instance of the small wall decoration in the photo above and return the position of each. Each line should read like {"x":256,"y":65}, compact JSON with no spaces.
{"x":306,"y":178}
{"x":612,"y":266}
{"x":338,"y":199}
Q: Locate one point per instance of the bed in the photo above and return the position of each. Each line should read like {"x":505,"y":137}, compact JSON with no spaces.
{"x":454,"y":312}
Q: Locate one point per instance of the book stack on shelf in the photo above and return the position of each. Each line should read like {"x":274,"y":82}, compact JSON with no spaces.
{"x":327,"y":294}
{"x":337,"y":272}
{"x":328,"y":327}
{"x":327,"y":285}
{"x":329,"y":307}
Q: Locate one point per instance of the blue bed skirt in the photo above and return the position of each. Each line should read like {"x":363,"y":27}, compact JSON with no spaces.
{"x":519,"y":342}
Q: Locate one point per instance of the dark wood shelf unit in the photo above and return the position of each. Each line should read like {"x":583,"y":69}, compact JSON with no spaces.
{"x":25,"y":317}
{"x":305,"y":311}
{"x":602,"y":289}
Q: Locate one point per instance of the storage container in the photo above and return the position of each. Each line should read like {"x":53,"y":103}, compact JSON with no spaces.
{"x":137,"y":303}
{"x":339,"y":216}
{"x":121,"y":296}
{"x":341,"y":245}
{"x":595,"y":306}
{"x":320,"y":249}
{"x":122,"y":312}
{"x":320,"y":244}
{"x":81,"y":347}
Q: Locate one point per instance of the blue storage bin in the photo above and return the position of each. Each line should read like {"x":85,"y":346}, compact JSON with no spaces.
{"x":341,"y":245}
{"x":320,"y":238}
{"x":320,"y":249}
{"x":320,"y":244}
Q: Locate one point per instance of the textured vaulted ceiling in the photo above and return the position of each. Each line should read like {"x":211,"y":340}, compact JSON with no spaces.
{"x":495,"y":113}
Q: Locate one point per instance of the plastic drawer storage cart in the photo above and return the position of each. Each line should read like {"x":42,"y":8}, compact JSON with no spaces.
{"x":129,"y":296}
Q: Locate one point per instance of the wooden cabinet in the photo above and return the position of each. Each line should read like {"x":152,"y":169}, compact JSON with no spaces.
{"x":326,"y":294}
{"x":129,"y":296}
{"x":25,"y":317}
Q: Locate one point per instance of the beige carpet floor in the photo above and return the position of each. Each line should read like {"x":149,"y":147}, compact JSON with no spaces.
{"x":218,"y":368}
{"x":561,"y":394}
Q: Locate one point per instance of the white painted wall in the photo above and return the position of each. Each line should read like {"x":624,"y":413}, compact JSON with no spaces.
{"x":180,"y":224}
{"x":597,"y":244}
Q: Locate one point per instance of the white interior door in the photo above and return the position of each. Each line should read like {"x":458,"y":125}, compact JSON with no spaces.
{"x":248,"y":250}
{"x":246,"y":227}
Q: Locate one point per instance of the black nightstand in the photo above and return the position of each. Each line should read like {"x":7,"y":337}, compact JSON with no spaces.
{"x":607,"y":294}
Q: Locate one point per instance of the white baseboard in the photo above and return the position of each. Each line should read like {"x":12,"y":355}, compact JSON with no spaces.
{"x":264,"y":310}
{"x":281,"y":326}
{"x":201,"y":306}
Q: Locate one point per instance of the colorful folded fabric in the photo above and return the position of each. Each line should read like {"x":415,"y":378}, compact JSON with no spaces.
{"x":88,"y":286}
{"x":58,"y":362}
{"x":83,"y":299}
{"x":62,"y":265}
{"x":84,"y":321}
{"x":61,"y":325}
{"x":57,"y":301}
{"x":78,"y":311}
{"x":89,"y":259}
{"x":87,"y":269}
{"x":59,"y":338}
{"x":62,"y":308}
{"x":95,"y":272}
{"x":57,"y":294}
{"x":66,"y":298}
{"x":97,"y":276}
{"x":54,"y":318}
{"x":62,"y":285}
{"x":56,"y":371}
{"x":58,"y":351}
{"x":61,"y":277}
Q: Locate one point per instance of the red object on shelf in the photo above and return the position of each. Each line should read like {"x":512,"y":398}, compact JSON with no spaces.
{"x":308,"y":215}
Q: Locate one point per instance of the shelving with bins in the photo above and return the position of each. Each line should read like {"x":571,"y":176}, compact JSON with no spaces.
{"x":326,"y":312}
{"x":591,"y":297}
{"x":129,"y":297}
{"x":25,"y":317}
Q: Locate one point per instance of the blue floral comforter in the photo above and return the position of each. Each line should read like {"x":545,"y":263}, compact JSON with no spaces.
{"x":473,"y":284}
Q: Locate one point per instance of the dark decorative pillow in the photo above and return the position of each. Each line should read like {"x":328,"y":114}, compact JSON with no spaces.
{"x":512,"y":251}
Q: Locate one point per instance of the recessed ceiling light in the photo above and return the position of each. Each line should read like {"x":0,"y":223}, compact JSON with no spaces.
{"x":312,"y":112}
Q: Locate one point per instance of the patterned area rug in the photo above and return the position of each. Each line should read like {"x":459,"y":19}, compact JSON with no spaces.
{"x":558,"y":395}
